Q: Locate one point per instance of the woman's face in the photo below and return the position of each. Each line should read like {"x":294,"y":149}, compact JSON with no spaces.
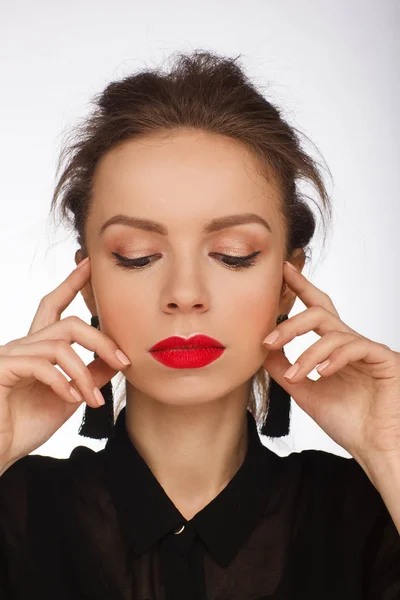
{"x":183,"y":182}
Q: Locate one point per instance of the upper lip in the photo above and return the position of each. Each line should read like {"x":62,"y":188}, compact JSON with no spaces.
{"x":196,"y":341}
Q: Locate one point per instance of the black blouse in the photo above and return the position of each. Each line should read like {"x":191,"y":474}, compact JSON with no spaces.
{"x":98,"y":525}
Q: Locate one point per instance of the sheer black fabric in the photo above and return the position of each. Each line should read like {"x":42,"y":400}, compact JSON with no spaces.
{"x":98,"y":525}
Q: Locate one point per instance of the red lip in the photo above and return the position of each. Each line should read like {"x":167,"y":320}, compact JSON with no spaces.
{"x":189,"y":358}
{"x":197,"y":341}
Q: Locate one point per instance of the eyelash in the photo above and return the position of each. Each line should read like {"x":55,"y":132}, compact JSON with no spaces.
{"x":239,"y":262}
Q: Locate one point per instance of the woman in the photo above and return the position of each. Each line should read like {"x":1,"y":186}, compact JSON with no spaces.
{"x":182,"y":189}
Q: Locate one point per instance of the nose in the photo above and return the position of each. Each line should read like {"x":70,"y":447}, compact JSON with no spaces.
{"x":186,"y":291}
{"x":184,"y":307}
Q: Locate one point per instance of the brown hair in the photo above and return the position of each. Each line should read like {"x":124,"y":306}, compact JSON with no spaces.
{"x":211,"y":93}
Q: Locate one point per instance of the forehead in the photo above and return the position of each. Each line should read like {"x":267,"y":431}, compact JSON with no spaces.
{"x":195,"y":172}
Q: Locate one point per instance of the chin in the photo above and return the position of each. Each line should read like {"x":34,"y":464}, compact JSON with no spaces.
{"x":185,"y":390}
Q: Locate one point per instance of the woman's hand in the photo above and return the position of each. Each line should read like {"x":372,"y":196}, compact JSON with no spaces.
{"x":356,"y":401}
{"x":35,"y":397}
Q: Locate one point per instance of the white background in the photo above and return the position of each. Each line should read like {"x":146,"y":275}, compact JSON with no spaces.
{"x":332,"y":66}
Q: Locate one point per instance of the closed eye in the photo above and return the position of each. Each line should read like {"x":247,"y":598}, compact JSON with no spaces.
{"x":233,"y":262}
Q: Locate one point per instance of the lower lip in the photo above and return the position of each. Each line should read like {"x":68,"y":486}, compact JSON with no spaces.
{"x":187,"y":359}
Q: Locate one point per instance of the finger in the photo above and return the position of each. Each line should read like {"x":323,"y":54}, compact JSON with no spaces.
{"x":14,"y":369}
{"x":60,"y":352}
{"x":316,"y":319}
{"x":72,"y":329}
{"x":319,"y":352}
{"x":276,"y":364}
{"x":308,"y":293}
{"x":53,"y":304}
{"x":382,"y":363}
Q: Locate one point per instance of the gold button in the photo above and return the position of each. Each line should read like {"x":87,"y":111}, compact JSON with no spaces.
{"x":180,"y":530}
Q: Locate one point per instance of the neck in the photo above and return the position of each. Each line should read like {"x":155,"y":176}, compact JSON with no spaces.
{"x":193,"y":451}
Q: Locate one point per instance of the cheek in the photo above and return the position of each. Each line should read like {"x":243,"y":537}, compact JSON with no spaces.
{"x":252,"y":307}
{"x":125,"y":309}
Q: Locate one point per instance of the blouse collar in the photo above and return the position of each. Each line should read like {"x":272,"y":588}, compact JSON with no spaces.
{"x":147,"y":513}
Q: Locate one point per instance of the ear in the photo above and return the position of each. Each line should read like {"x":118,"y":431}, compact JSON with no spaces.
{"x":87,"y":291}
{"x":288,"y":297}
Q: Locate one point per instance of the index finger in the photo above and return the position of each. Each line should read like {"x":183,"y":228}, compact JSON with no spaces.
{"x":53,"y":304}
{"x":308,"y":293}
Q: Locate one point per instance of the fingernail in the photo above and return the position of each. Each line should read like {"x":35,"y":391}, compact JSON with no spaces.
{"x":270,"y":339}
{"x":83,"y":262}
{"x":99,"y":396}
{"x":322,"y":366}
{"x":122,"y":357}
{"x":76,"y":395}
{"x":290,"y":266}
{"x":290,"y":373}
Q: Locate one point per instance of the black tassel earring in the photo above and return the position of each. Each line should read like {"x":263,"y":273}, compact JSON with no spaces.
{"x":277,"y":422}
{"x":99,"y":423}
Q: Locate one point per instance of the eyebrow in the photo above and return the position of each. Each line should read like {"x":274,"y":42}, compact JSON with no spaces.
{"x":214,"y":225}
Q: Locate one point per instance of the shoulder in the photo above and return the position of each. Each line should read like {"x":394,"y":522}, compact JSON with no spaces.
{"x":44,"y":478}
{"x":37,"y":493}
{"x":343,"y":478}
{"x":337,"y":491}
{"x":338,"y":521}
